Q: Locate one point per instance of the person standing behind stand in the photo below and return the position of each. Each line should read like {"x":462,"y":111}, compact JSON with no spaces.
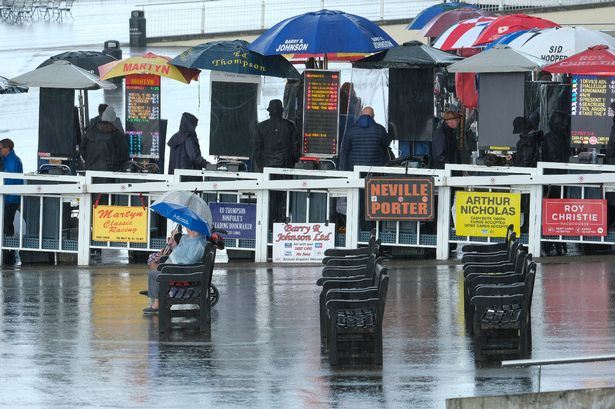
{"x":184,"y":144}
{"x":277,"y":145}
{"x":104,"y":147}
{"x":365,"y":143}
{"x":277,"y":140}
{"x":444,"y":142}
{"x":12,"y":164}
{"x":97,"y":119}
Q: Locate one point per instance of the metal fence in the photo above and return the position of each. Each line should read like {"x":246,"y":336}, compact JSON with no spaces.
{"x":183,"y":18}
{"x":57,"y":210}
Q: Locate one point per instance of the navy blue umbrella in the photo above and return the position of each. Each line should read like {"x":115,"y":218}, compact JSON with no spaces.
{"x":234,"y":56}
{"x":426,"y":15}
{"x":323,"y":32}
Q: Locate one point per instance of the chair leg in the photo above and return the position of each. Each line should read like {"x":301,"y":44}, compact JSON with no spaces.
{"x":164,"y":315}
{"x":378,"y":345}
{"x":332,"y":340}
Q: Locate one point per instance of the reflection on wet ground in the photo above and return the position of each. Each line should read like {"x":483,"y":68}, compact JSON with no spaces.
{"x":68,"y":330}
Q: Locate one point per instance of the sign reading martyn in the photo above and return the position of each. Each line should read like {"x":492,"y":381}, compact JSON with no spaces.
{"x":487,"y":214}
{"x":399,"y":198}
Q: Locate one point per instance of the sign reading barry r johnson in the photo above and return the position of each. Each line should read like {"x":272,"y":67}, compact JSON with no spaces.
{"x":399,"y":198}
{"x":574,"y":217}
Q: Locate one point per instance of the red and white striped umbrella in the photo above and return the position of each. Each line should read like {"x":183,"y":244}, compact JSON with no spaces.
{"x":462,"y":34}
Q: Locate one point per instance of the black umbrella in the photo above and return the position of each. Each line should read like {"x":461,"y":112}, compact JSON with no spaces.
{"x":412,"y":54}
{"x":234,"y":56}
{"x":88,"y":60}
{"x":6,"y":88}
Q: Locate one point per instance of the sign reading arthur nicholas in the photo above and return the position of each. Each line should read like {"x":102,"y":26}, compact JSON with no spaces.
{"x":399,"y":198}
{"x":119,"y":224}
{"x":487,"y":214}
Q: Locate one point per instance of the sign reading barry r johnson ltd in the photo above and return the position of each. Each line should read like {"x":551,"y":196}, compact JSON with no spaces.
{"x":574,"y":217}
{"x":399,"y":198}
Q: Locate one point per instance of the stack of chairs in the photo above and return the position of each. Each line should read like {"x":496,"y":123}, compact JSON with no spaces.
{"x":352,"y":301}
{"x":498,"y":290}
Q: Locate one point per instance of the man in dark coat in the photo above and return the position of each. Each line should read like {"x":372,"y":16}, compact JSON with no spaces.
{"x":185,"y":149}
{"x":104,"y":147}
{"x":365,"y":143}
{"x":277,"y":140}
{"x":528,"y":146}
{"x":556,"y":143}
{"x":444,"y":142}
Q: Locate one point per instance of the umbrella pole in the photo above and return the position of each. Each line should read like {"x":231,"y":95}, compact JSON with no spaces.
{"x":326,"y":62}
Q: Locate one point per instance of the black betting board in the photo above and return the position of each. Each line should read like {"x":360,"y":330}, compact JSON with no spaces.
{"x":143,"y":116}
{"x":320,"y":113}
{"x":591,"y":116}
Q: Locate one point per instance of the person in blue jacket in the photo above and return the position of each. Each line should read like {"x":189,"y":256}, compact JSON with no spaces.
{"x":12,"y":163}
{"x":365,"y":143}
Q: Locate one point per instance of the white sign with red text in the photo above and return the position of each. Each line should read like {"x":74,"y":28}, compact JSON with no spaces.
{"x":302,"y":242}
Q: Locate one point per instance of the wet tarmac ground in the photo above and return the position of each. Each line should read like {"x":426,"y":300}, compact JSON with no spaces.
{"x":75,"y":337}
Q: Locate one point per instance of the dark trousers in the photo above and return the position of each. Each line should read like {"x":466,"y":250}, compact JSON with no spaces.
{"x":9,"y":229}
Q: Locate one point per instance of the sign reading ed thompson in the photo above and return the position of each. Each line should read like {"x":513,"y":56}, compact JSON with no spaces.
{"x":399,"y":198}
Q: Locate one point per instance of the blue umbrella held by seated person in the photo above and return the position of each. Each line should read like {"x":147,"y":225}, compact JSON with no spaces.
{"x":187,"y":209}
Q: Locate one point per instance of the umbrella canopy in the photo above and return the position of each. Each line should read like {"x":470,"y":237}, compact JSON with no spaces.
{"x":555,"y":44}
{"x":301,"y":58}
{"x":6,"y":88}
{"x":596,"y":60}
{"x":88,"y":60}
{"x":510,"y":23}
{"x":148,"y":63}
{"x":463,"y":34}
{"x":442,"y":22}
{"x":500,"y":58}
{"x":185,"y":208}
{"x":522,"y":35}
{"x":61,"y":74}
{"x":322,"y":32}
{"x":412,"y":54}
{"x":234,"y":56}
{"x":429,"y":13}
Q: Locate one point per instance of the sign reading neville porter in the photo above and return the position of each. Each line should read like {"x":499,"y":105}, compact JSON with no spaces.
{"x":320,"y":113}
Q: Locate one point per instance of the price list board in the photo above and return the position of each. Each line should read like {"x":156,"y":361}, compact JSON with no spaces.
{"x":591,"y":115}
{"x":143,"y":116}
{"x":320,"y":113}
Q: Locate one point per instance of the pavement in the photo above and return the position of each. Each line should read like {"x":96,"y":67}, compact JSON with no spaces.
{"x":75,"y":337}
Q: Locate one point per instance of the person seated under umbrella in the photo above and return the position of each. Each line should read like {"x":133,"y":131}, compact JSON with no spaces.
{"x":190,"y":250}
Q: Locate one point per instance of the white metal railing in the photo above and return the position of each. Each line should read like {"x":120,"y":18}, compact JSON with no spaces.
{"x":57,"y":210}
{"x":211,"y":17}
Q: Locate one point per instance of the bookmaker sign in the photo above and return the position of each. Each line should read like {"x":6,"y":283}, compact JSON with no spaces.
{"x":302,"y":242}
{"x":399,"y":198}
{"x":574,"y":217}
{"x":486,"y":214}
{"x":119,"y":224}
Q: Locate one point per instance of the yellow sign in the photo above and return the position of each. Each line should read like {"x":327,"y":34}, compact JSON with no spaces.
{"x":119,"y":224}
{"x":486,"y":214}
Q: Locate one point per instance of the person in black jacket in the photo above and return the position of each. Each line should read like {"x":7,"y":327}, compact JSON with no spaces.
{"x":104,"y":147}
{"x":184,"y":144}
{"x":277,"y":143}
{"x":528,"y":146}
{"x":556,"y":143}
{"x":610,"y":147}
{"x":444,"y":142}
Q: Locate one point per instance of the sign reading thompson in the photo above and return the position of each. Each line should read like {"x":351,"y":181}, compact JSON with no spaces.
{"x":320,"y":113}
{"x":119,"y":224}
{"x":487,"y":214}
{"x":574,"y":217}
{"x":143,"y":115}
{"x":399,"y":198}
{"x":238,"y":219}
{"x":301,"y":242}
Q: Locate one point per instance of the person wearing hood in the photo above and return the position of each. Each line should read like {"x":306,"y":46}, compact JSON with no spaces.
{"x":365,"y":143}
{"x":556,"y":143}
{"x":277,"y":140}
{"x":444,"y":142}
{"x":184,"y":144}
{"x":104,"y":146}
{"x":97,"y":119}
{"x":528,"y":146}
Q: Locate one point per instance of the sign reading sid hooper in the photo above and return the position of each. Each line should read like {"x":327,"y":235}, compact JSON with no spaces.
{"x":399,"y":198}
{"x":486,"y":214}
